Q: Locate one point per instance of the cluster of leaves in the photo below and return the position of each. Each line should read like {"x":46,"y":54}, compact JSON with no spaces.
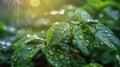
{"x":80,"y":40}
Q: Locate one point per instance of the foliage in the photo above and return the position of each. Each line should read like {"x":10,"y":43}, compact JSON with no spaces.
{"x":84,"y":36}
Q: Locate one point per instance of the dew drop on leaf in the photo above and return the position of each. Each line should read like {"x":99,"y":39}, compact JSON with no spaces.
{"x":61,"y":57}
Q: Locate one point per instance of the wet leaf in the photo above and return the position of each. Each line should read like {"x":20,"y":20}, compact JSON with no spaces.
{"x":57,"y":57}
{"x":24,"y":55}
{"x":80,"y":40}
{"x":104,"y":34}
{"x":114,"y":14}
{"x":21,"y":43}
{"x":82,"y":15}
{"x":56,"y":33}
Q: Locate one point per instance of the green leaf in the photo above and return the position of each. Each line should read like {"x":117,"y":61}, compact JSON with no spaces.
{"x":57,"y":56}
{"x":100,"y":3}
{"x":80,"y":41}
{"x":2,"y":26}
{"x":80,"y":44}
{"x":24,"y":55}
{"x":21,"y":43}
{"x":104,"y":34}
{"x":93,"y":65}
{"x":82,"y":15}
{"x":107,"y":57}
{"x":113,"y":14}
{"x":77,"y":61}
{"x":56,"y":33}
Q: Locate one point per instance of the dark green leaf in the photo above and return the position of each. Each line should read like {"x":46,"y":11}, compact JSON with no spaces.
{"x":24,"y":55}
{"x":57,"y":57}
{"x":104,"y":34}
{"x":107,"y":57}
{"x":114,"y":14}
{"x":80,"y":40}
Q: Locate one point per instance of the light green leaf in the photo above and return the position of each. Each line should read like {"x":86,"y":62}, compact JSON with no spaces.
{"x":56,"y":33}
{"x":107,"y":57}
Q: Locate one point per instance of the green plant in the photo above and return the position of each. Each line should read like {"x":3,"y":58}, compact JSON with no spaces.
{"x":84,"y":36}
{"x":68,"y":44}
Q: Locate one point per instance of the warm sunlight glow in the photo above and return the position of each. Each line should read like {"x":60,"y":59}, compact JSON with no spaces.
{"x":34,"y":3}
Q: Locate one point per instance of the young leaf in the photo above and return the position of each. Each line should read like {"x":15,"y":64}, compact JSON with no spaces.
{"x":24,"y":55}
{"x":56,"y":33}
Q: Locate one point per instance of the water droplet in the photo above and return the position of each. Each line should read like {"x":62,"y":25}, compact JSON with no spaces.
{"x":8,"y":43}
{"x":86,"y":42}
{"x":28,"y":48}
{"x":28,"y":35}
{"x":53,"y":12}
{"x":101,"y":15}
{"x":43,"y":46}
{"x":96,"y":21}
{"x":81,"y":37}
{"x":109,"y":34}
{"x":58,"y":50}
{"x":66,"y":41}
{"x":75,"y":22}
{"x":61,"y":57}
{"x":101,"y":43}
{"x":4,"y":47}
{"x":70,"y":6}
{"x":53,"y":30}
{"x":51,"y":52}
{"x":12,"y":65}
{"x":15,"y":59}
{"x":61,"y":12}
{"x":106,"y":31}
{"x":2,"y":42}
{"x":56,"y":58}
{"x":56,"y":65}
{"x":11,"y":29}
{"x":36,"y":36}
{"x":68,"y":62}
